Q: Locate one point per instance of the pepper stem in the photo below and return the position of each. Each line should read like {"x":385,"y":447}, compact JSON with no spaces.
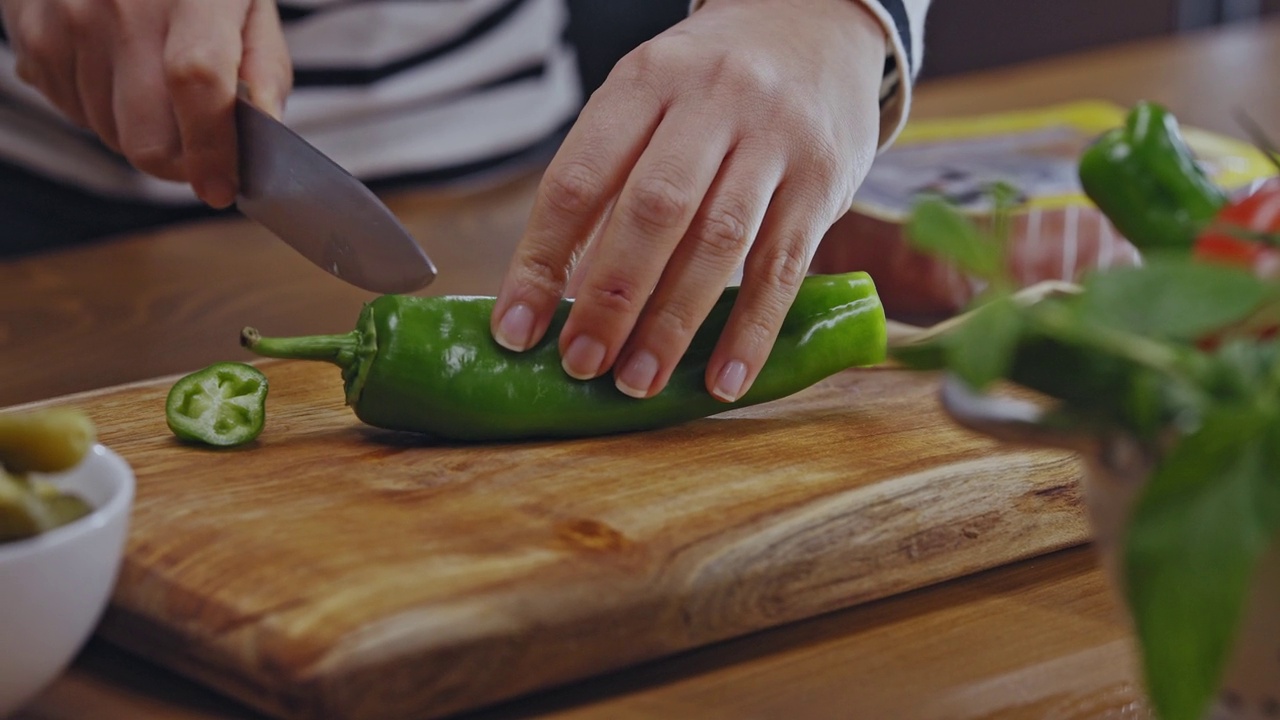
{"x":353,"y":352}
{"x":337,"y":349}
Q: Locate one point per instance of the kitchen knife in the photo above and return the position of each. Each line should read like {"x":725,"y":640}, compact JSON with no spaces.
{"x":321,"y":210}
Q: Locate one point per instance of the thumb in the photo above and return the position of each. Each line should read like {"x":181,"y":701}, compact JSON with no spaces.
{"x":266,"y":67}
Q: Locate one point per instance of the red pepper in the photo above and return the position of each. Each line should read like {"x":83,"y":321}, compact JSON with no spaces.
{"x":1227,"y":240}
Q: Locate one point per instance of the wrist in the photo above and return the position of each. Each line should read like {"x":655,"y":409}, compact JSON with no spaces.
{"x":851,"y":16}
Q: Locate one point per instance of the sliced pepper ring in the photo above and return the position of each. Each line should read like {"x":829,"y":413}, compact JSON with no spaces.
{"x":223,"y":405}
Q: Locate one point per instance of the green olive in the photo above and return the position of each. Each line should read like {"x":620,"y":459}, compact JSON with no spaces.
{"x":22,"y":514}
{"x":60,"y":507}
{"x":51,"y":440}
{"x":30,"y":507}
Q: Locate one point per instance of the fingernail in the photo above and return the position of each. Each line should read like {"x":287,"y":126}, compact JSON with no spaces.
{"x":729,"y":381}
{"x":217,"y":193}
{"x":515,"y":329}
{"x":637,"y":375}
{"x":583,"y":358}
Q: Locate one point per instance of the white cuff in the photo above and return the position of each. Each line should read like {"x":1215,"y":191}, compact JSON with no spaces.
{"x":894,"y":108}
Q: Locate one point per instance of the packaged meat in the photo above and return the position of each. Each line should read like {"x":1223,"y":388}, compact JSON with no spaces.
{"x":1055,"y":234}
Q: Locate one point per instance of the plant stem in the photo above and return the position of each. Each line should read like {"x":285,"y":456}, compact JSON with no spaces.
{"x":1185,"y":366}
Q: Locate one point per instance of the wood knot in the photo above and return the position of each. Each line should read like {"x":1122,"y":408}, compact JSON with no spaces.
{"x":591,"y":535}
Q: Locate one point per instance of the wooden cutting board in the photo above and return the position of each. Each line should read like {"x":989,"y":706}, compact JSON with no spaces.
{"x":333,"y":570}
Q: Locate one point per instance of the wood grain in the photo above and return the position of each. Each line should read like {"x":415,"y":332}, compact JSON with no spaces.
{"x":333,"y":570}
{"x":1033,"y":640}
{"x":1039,"y":639}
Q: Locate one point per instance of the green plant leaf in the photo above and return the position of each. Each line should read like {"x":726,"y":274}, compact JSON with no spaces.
{"x":1176,"y":299}
{"x":1208,"y":512}
{"x":981,"y":349}
{"x":938,"y":228}
{"x":1128,"y":353}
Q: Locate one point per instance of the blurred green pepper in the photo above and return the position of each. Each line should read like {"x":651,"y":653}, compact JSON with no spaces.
{"x":1145,"y":179}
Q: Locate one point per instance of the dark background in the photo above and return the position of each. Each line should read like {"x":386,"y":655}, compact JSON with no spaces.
{"x":960,"y":35}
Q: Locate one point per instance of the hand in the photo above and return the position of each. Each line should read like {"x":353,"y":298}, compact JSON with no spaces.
{"x":740,"y":135}
{"x":155,"y":79}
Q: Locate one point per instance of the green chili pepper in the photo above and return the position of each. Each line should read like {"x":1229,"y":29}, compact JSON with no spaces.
{"x":223,"y":404}
{"x":1145,"y":179}
{"x":430,"y":365}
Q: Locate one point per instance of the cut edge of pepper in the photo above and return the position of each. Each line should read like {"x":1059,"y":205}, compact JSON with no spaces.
{"x":203,"y":429}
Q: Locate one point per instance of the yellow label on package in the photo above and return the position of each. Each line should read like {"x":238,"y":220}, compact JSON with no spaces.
{"x":1037,"y":152}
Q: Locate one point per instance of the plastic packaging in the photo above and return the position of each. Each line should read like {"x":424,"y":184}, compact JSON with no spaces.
{"x":1057,"y":234}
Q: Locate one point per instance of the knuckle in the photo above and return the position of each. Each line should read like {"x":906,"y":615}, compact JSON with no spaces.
{"x":659,"y":202}
{"x":819,"y":147}
{"x":826,"y":162}
{"x":614,"y":294}
{"x":640,"y":66}
{"x":537,"y":270}
{"x":192,"y":69}
{"x":650,"y":68}
{"x":676,"y":320}
{"x":743,"y":73}
{"x":772,"y":297}
{"x":758,"y":329}
{"x":725,"y":231}
{"x":827,"y":202}
{"x":753,"y":331}
{"x":825,"y":172}
{"x":573,"y":188}
{"x":633,"y":66}
{"x":785,"y":266}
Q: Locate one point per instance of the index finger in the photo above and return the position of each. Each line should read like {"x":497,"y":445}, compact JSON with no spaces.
{"x":202,"y":63}
{"x":589,"y":170}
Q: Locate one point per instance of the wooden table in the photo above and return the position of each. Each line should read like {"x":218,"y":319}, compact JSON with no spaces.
{"x":1039,"y":639}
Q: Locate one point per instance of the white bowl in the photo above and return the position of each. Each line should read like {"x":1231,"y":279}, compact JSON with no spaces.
{"x":55,"y":586}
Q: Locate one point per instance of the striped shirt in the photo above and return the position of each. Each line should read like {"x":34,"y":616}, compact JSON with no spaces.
{"x":398,"y":88}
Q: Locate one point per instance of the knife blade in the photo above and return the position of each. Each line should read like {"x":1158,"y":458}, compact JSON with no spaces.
{"x":322,"y":211}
